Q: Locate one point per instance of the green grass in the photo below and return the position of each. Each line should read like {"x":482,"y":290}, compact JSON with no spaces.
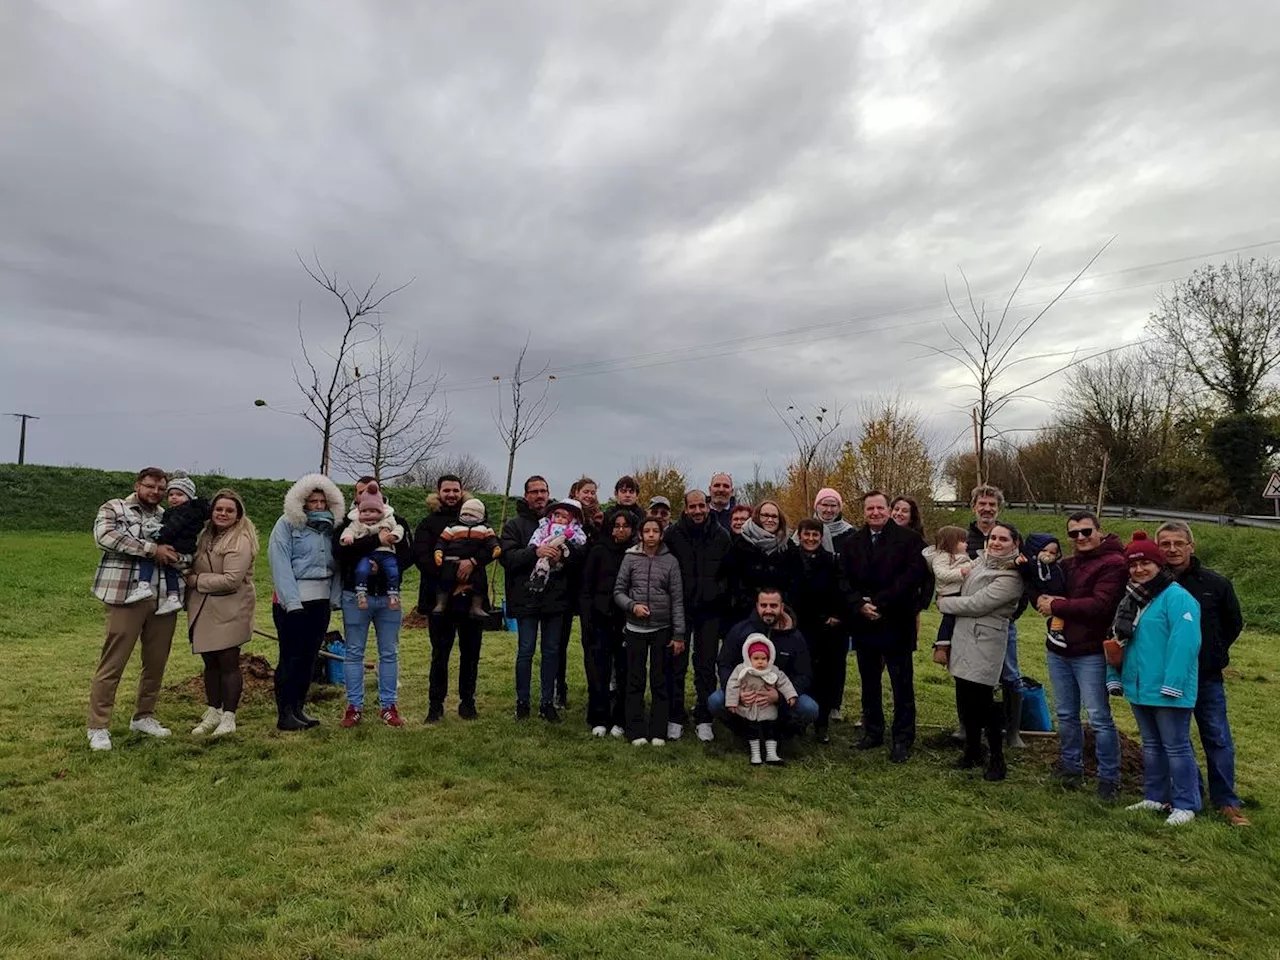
{"x":505,"y":840}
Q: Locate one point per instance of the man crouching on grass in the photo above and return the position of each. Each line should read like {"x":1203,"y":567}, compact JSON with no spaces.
{"x":125,"y":532}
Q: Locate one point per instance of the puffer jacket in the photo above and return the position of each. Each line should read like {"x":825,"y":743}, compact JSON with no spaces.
{"x":987,"y":602}
{"x":599,"y":575}
{"x":518,"y":559}
{"x":1161,"y":661}
{"x":654,"y":581}
{"x":1095,"y":583}
{"x":301,"y":548}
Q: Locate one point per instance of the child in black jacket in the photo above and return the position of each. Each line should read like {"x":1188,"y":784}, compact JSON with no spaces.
{"x":180,"y":527}
{"x":1040,"y":562}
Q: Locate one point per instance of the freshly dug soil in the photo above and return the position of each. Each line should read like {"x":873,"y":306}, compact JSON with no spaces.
{"x":1045,"y":749}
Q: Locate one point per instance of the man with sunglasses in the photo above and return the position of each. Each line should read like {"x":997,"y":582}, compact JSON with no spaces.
{"x":1096,"y":577}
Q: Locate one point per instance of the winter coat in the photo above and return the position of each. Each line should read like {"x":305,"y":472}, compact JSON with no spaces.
{"x":518,"y":559}
{"x":723,"y":517}
{"x":348,"y":555}
{"x":948,"y":570}
{"x":1095,"y":584}
{"x":812,"y":590}
{"x":1161,"y":660}
{"x":655,"y":582}
{"x":791,"y":651}
{"x":302,"y":549}
{"x":976,"y":541}
{"x":1220,"y":617}
{"x":701,"y":549}
{"x":892,"y":576}
{"x":747,"y":569}
{"x":181,"y":525}
{"x":747,"y":678}
{"x":599,"y":576}
{"x":220,"y":608}
{"x":987,"y":602}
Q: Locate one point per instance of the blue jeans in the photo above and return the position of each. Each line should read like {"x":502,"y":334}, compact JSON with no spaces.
{"x":1010,"y":675}
{"x":1076,"y":679}
{"x":389,"y":563}
{"x":803,"y":713}
{"x":147,"y":570}
{"x":1215,"y":737}
{"x":1169,"y":773}
{"x":526,"y":641}
{"x":386,"y":627}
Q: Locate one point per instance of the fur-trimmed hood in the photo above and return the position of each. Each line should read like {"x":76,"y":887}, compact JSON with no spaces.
{"x":295,"y":500}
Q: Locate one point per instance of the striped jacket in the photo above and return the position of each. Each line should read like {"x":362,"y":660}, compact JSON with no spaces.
{"x":124,"y":531}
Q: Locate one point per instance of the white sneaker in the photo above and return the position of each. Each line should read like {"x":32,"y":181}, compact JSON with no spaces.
{"x":598,"y":731}
{"x":616,"y":732}
{"x":674,"y":731}
{"x":150,"y":726}
{"x":99,"y":738}
{"x":207,"y":723}
{"x":657,"y":742}
{"x":1180,"y":817}
{"x":139,"y":593}
{"x":227,"y":724}
{"x":639,"y":742}
{"x":1145,"y":805}
{"x":170,"y":604}
{"x":706,"y":732}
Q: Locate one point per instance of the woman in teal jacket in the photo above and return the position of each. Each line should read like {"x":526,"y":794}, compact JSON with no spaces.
{"x":303,"y":572}
{"x":1153,"y":658}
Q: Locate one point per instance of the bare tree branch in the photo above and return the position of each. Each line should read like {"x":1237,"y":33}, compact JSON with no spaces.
{"x":528,"y":413}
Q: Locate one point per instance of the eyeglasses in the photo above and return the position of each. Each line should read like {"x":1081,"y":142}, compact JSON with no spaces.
{"x":1082,"y":533}
{"x":769,"y":516}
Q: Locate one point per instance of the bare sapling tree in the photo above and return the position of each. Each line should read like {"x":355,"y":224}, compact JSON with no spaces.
{"x":524,"y":413}
{"x":398,"y":416}
{"x":810,"y":432}
{"x":329,"y":388}
{"x":989,"y":346}
{"x":474,"y":475}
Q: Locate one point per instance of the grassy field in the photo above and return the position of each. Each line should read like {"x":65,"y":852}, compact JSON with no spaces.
{"x":503,"y":840}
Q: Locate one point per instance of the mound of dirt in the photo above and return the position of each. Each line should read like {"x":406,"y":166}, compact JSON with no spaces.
{"x":258,"y":680}
{"x":1045,"y":749}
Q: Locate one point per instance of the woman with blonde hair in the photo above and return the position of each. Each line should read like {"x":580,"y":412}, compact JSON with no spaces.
{"x":220,"y":601}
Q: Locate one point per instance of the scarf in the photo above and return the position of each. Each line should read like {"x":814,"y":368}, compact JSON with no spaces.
{"x":760,"y":538}
{"x":832,"y":529}
{"x":1136,"y":597}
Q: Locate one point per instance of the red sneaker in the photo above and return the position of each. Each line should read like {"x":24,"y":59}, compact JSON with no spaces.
{"x":351,"y":717}
{"x":390,"y":716}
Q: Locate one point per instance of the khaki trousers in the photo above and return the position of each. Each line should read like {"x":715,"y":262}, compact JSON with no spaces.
{"x":125,"y":626}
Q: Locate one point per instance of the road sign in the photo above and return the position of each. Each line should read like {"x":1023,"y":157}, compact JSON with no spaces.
{"x":1272,"y":492}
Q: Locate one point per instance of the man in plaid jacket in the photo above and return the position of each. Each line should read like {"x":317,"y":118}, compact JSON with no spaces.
{"x":124,"y":531}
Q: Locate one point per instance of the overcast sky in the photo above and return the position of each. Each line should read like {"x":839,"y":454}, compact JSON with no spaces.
{"x":685,"y":204}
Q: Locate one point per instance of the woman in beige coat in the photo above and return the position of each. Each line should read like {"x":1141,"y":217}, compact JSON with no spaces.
{"x":220,"y":598}
{"x":987,"y":602}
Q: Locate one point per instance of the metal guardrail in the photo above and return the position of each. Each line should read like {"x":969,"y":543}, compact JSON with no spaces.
{"x":1126,"y":512}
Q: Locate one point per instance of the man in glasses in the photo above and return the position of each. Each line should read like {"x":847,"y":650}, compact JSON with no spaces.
{"x":1220,"y":625}
{"x":1096,"y":577}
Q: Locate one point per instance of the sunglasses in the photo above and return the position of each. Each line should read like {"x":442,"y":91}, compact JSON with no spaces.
{"x":1082,"y":532}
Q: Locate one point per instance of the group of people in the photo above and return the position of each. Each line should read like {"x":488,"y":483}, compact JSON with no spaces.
{"x":765,"y":615}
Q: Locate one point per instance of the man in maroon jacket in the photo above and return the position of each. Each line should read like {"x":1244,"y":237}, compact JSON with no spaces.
{"x":1096,"y":578}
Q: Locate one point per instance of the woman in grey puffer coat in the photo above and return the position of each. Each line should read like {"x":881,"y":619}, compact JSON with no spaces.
{"x":987,"y":602}
{"x":649,"y":589}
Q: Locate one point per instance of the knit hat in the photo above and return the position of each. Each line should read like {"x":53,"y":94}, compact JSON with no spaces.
{"x":1142,"y":546}
{"x":473,"y":508}
{"x":758,"y":647}
{"x":826,"y":493}
{"x":372,"y":497}
{"x":573,"y":506}
{"x":754,"y":642}
{"x":185,"y":484}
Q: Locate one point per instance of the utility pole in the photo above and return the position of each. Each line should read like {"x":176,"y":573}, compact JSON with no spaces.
{"x":22,"y":435}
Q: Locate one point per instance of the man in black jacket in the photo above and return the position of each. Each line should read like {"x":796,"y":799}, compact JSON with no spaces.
{"x":456,"y":620}
{"x":1220,"y":625}
{"x":884,"y":568}
{"x":535,"y":611}
{"x":722,"y":500}
{"x":791,"y":656}
{"x":700,"y":545}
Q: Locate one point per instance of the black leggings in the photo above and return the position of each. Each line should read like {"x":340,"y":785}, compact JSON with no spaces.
{"x":223,"y":683}
{"x":978,"y":713}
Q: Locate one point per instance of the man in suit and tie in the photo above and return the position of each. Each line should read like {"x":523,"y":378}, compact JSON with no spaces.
{"x":884,"y":570}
